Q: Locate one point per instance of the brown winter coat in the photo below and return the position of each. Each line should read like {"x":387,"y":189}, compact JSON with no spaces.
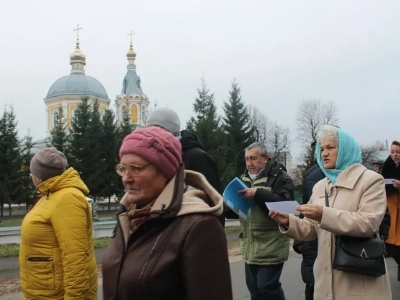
{"x":357,"y":204}
{"x":180,"y":252}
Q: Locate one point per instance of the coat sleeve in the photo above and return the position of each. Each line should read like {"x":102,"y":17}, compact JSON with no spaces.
{"x":205,"y":264}
{"x":297,"y":245}
{"x":300,"y":229}
{"x":70,"y":225}
{"x":366,"y":220}
{"x":385,"y":226}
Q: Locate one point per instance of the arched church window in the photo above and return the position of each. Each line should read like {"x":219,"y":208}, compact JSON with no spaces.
{"x":55,"y":119}
{"x":134,"y":113}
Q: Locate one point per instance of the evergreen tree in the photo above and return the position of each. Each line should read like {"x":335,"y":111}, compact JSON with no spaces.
{"x":207,"y":125}
{"x":92,"y":171}
{"x":27,"y":188}
{"x":79,"y":127}
{"x":59,"y":133}
{"x":206,"y":122}
{"x":237,"y":126}
{"x":10,"y":159}
{"x":125,"y":126}
{"x":109,"y":182}
{"x":85,"y":145}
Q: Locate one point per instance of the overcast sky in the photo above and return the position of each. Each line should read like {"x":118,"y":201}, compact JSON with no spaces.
{"x":280,"y":52}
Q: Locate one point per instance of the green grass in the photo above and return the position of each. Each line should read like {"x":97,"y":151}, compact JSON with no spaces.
{"x":10,"y":222}
{"x":233,"y":228}
{"x":101,"y":242}
{"x":12,"y":250}
{"x":9,"y":250}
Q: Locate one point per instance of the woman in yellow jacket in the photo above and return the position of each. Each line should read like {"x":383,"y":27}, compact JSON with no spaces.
{"x":57,"y":258}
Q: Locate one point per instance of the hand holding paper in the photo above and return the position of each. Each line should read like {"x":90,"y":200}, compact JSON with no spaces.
{"x":311,"y":211}
{"x":388,"y":180}
{"x":284,"y":207}
{"x":234,"y":200}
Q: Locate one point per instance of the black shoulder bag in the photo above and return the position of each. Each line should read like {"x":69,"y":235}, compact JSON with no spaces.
{"x":364,"y":256}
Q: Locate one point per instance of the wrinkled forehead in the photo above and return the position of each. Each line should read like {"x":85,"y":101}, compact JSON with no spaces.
{"x":252,"y":152}
{"x":329,"y":141}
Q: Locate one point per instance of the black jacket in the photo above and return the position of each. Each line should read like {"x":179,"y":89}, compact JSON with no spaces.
{"x":309,"y":250}
{"x":196,"y":159}
{"x":391,"y":171}
{"x":278,"y":180}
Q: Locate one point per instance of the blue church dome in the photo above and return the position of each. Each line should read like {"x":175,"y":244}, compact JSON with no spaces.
{"x":77,"y":84}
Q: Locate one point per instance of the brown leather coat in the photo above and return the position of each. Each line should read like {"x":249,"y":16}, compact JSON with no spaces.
{"x":180,"y":252}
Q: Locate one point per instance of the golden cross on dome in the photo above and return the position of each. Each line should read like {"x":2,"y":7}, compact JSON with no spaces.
{"x":77,"y":31}
{"x":131,"y":34}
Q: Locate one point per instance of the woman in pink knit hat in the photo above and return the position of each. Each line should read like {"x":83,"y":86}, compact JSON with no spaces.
{"x":168,"y":243}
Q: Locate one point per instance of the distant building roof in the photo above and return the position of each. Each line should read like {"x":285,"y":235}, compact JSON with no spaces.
{"x":131,"y":84}
{"x":77,"y":84}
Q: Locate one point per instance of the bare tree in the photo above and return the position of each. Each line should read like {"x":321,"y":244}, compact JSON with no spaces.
{"x":260,"y":122}
{"x":311,"y":115}
{"x":278,"y":140}
{"x":370,"y":153}
{"x":274,"y":136}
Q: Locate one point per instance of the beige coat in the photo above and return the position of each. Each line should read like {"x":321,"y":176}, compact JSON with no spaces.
{"x":357,"y":204}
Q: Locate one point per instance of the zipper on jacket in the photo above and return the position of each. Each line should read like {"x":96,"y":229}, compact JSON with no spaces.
{"x":40,"y":259}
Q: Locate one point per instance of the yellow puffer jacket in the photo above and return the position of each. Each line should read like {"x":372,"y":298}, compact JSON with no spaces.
{"x":56,"y":257}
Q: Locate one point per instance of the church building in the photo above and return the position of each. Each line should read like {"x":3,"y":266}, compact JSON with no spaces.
{"x":132,"y":99}
{"x":68,"y":91}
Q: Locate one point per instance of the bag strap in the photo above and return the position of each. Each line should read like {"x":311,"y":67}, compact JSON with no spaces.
{"x":326,"y":198}
{"x":327,"y":205}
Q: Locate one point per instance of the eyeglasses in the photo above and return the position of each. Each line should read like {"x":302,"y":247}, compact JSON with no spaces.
{"x":135,"y":170}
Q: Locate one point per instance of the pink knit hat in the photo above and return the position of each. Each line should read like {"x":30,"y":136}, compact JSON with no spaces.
{"x":157,"y":146}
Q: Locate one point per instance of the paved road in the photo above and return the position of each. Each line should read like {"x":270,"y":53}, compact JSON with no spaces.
{"x":291,"y":278}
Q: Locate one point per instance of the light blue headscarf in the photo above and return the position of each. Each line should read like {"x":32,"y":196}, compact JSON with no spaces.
{"x":349,"y":153}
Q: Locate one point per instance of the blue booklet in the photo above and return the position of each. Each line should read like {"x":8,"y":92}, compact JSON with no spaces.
{"x":234,"y":200}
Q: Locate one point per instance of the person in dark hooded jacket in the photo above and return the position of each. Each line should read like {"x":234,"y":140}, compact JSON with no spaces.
{"x":308,"y":250}
{"x":196,"y":159}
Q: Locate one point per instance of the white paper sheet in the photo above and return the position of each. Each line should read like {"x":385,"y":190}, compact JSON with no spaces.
{"x":284,"y":207}
{"x":389,"y":181}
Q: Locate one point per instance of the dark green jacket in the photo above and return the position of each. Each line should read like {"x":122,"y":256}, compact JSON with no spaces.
{"x":261,"y":242}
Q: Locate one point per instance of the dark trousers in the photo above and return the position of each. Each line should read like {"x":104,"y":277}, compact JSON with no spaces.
{"x":263,"y":282}
{"x":394,"y":252}
{"x":309,"y":292}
